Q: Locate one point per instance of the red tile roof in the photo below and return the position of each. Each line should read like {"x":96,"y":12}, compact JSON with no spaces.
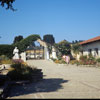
{"x":90,"y":40}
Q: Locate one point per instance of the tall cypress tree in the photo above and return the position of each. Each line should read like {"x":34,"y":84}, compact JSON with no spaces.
{"x":49,"y":39}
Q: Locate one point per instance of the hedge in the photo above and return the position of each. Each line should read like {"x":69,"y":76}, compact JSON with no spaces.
{"x":6,"y":50}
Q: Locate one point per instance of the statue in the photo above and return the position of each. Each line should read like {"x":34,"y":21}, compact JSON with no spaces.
{"x":23,"y":56}
{"x":15,"y":52}
{"x":54,"y":56}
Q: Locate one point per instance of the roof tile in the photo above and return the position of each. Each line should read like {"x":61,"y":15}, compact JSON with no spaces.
{"x":90,"y":40}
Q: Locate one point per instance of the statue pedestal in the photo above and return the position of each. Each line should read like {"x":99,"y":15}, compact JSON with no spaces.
{"x":16,"y":56}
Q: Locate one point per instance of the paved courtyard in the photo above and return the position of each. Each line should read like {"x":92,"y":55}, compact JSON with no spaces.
{"x":61,"y":81}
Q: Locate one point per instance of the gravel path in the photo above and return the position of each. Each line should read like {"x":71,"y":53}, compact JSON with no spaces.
{"x":61,"y":81}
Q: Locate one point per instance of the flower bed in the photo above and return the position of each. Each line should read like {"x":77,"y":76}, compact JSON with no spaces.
{"x":60,"y":62}
{"x":84,"y":60}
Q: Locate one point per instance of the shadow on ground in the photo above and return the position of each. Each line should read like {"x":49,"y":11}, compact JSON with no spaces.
{"x":46,"y":85}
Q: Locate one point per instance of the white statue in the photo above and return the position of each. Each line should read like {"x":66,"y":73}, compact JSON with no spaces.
{"x":15,"y":52}
{"x":23,"y":56}
{"x":54,"y":53}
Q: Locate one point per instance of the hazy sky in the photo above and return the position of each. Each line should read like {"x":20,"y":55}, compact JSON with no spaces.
{"x":65,"y":19}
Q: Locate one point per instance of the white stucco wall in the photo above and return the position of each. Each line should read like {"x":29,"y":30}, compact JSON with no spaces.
{"x":92,"y":46}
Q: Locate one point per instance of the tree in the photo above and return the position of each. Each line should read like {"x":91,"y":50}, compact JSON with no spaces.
{"x":18,"y":39}
{"x":76,"y":48}
{"x":23,"y":44}
{"x":6,"y":50}
{"x":49,"y":39}
{"x":77,"y":41}
{"x":64,"y":47}
{"x":8,"y":3}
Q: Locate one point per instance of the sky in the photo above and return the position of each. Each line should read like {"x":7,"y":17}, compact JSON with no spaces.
{"x":64,"y":19}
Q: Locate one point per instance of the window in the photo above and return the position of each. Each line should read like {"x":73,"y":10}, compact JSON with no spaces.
{"x":90,"y":51}
{"x":96,"y":50}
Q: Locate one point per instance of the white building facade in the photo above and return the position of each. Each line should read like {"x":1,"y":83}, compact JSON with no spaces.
{"x":91,"y":46}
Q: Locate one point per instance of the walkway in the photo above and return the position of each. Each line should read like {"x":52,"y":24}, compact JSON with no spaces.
{"x":61,"y":81}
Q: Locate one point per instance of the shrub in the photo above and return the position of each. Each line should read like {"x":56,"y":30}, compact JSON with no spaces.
{"x":57,"y":61}
{"x":3,"y":57}
{"x":17,"y":61}
{"x":53,"y":59}
{"x":59,"y":57}
{"x":73,"y":62}
{"x":20,"y":71}
{"x":0,"y":62}
{"x":98,"y":60}
{"x":90,"y":60}
{"x":83,"y":58}
{"x":62,"y":62}
{"x":6,"y":61}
